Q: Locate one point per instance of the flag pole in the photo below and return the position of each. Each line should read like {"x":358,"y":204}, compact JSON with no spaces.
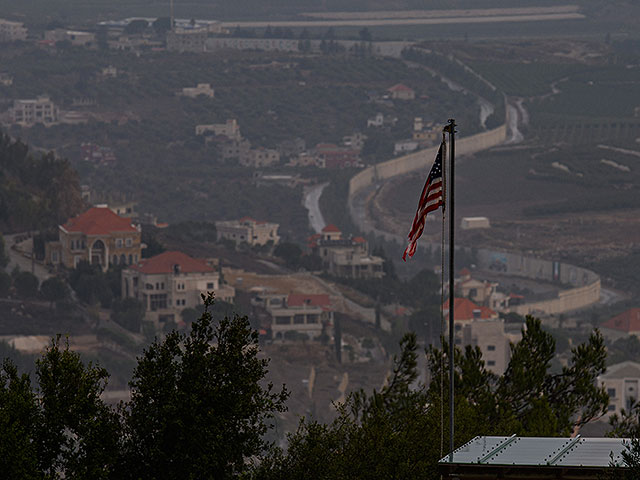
{"x":451,"y":129}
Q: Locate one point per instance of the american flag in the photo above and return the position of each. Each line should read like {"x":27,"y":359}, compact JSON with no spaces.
{"x":430,"y":200}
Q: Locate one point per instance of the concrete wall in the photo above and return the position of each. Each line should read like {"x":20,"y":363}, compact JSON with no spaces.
{"x":585,"y":283}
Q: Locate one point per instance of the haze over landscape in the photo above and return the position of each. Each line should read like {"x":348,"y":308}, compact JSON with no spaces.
{"x":273,"y":153}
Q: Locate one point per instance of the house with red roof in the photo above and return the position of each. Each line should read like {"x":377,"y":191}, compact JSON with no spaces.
{"x":627,"y":323}
{"x":247,"y":230}
{"x":172,"y":281}
{"x":402,"y":92}
{"x":98,"y":236}
{"x":464,"y":311}
{"x":298,"y":314}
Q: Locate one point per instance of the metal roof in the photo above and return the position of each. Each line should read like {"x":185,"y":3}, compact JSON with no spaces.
{"x":540,"y":451}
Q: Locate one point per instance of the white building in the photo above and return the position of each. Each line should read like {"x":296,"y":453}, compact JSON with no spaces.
{"x":75,"y":37}
{"x":28,"y":112}
{"x":470,"y":223}
{"x":201,"y":89}
{"x":621,"y":382}
{"x":187,"y":40}
{"x":259,"y":157}
{"x":296,"y":315}
{"x":12,"y":31}
{"x":405,"y":146}
{"x":170,"y":282}
{"x":229,"y":129}
{"x":493,"y":340}
{"x":247,"y":230}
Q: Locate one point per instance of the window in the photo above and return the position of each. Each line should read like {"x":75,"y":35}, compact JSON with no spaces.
{"x":135,"y":281}
{"x":118,"y":243}
{"x":298,"y":319}
{"x":162,"y":286}
{"x":129,"y":242}
{"x":158,"y":302}
{"x":115,"y":260}
{"x":123,"y":259}
{"x":130,"y":259}
{"x":149,"y":286}
{"x":283,"y":320}
{"x":210,"y":286}
{"x":491,"y":348}
{"x":611,"y":392}
{"x":312,"y":318}
{"x":611,"y":408}
{"x":491,"y":363}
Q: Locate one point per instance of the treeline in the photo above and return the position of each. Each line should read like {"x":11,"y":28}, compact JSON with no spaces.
{"x":36,"y":191}
{"x":200,"y":408}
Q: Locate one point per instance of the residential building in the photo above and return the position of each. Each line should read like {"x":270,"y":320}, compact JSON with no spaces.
{"x":329,"y":155}
{"x":109,"y":72}
{"x":296,"y":315}
{"x":425,"y":133}
{"x":493,"y":339}
{"x":6,"y":80}
{"x":98,"y":236}
{"x":203,"y":89}
{"x":231,"y":149}
{"x":260,"y":157}
{"x":377,"y":121}
{"x":90,"y":152}
{"x":401,"y":92}
{"x":303,"y":160}
{"x":465,"y":312}
{"x":345,"y":257}
{"x":28,"y":112}
{"x":471,"y":223}
{"x":479,"y":291}
{"x":12,"y":31}
{"x":170,"y":282}
{"x":229,"y":129}
{"x":76,"y":38}
{"x":355,"y":140}
{"x":265,"y":44}
{"x":187,"y":40}
{"x":405,"y":146}
{"x":621,"y":382}
{"x":625,"y":324}
{"x":292,"y":148}
{"x":247,"y":230}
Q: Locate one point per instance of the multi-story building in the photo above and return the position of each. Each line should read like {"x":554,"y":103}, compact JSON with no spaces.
{"x":247,"y":230}
{"x":170,"y":282}
{"x":465,"y":312}
{"x":297,"y":314}
{"x":345,"y":257}
{"x":28,"y":112}
{"x":621,"y":382}
{"x":97,"y":236}
{"x":187,"y":40}
{"x":329,"y":155}
{"x":229,"y":129}
{"x":200,"y":89}
{"x":259,"y":157}
{"x":494,"y":338}
{"x":12,"y":31}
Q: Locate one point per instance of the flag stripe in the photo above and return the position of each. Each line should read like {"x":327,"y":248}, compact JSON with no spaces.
{"x":430,"y":200}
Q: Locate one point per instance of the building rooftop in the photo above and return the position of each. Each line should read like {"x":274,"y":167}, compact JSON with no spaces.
{"x":516,"y":452}
{"x":400,"y":88}
{"x":464,"y":309}
{"x":99,"y":221}
{"x":626,"y":369}
{"x":331,"y":228}
{"x":628,"y":321}
{"x":300,"y":299}
{"x":172,"y":262}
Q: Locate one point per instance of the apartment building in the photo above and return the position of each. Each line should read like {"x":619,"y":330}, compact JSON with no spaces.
{"x":98,"y":236}
{"x":493,"y":337}
{"x":12,"y":31}
{"x":170,"y":282}
{"x":229,"y":129}
{"x":203,"y":89}
{"x":247,"y":230}
{"x":28,"y":112}
{"x":345,"y":257}
{"x":259,"y":157}
{"x":621,"y":382}
{"x":187,"y":40}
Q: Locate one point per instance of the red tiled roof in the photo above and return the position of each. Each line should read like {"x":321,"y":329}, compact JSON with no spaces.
{"x":465,"y":271}
{"x":330,"y":228}
{"x":165,"y":263}
{"x":300,"y":299}
{"x":628,"y":321}
{"x":463,"y":310}
{"x":99,"y":221}
{"x":400,"y":88}
{"x":359,"y":240}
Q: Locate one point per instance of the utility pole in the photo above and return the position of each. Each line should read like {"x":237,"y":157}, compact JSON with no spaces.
{"x":451,"y":129}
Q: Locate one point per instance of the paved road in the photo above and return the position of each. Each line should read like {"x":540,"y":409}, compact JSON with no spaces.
{"x":17,"y":258}
{"x":312,"y":204}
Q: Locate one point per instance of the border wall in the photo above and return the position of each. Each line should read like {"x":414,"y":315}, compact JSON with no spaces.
{"x":585,"y":284}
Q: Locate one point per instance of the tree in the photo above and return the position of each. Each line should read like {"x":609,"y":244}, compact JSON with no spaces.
{"x":54,"y":289}
{"x":26,"y":284}
{"x":136,"y":27}
{"x":289,"y":252}
{"x":365,"y":35}
{"x":5,"y":283}
{"x":198,"y":408}
{"x":161,"y":25}
{"x":4,"y":258}
{"x":128,"y":313}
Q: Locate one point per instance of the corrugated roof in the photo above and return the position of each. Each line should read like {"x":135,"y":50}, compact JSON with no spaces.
{"x":539,"y":451}
{"x":167,"y":261}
